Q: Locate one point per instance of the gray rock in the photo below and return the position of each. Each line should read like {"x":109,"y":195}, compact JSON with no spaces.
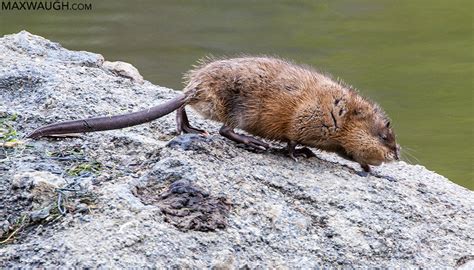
{"x":284,"y":214}
{"x":4,"y":227}
{"x":190,"y":142}
{"x":38,"y":187}
{"x":82,"y":208}
{"x":40,"y":214}
{"x":125,"y":70}
{"x":37,"y":179}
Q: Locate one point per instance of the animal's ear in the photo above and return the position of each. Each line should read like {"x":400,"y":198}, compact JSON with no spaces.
{"x":388,"y":124}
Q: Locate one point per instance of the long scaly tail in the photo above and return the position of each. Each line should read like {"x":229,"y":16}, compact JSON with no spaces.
{"x":110,"y":122}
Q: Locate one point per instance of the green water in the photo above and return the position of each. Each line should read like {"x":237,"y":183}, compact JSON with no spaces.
{"x":413,"y":57}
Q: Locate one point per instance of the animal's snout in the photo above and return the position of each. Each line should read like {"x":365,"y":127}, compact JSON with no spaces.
{"x":397,"y":152}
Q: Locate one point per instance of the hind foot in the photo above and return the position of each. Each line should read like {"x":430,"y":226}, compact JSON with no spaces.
{"x":183,"y":126}
{"x":229,"y":133}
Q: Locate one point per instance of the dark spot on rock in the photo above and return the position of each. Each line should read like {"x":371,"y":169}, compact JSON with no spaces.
{"x":464,"y":259}
{"x":188,"y":142}
{"x":321,"y":221}
{"x":25,"y":82}
{"x":330,"y":233}
{"x":188,"y":207}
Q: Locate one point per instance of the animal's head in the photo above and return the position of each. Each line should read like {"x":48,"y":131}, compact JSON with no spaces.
{"x":367,"y":136}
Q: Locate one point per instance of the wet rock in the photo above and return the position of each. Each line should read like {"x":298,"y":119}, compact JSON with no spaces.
{"x":147,"y":199}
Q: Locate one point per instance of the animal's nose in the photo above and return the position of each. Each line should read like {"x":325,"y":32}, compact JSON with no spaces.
{"x":397,"y":152}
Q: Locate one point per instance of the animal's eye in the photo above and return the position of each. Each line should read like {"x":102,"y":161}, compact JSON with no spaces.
{"x":383,"y":137}
{"x":388,"y":124}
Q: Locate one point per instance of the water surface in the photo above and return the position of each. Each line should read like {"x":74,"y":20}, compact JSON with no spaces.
{"x":415,"y":58}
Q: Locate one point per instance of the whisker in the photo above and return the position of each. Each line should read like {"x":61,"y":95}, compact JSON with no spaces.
{"x":414,"y":157}
{"x":405,"y":158}
{"x":408,"y":154}
{"x":410,"y":149}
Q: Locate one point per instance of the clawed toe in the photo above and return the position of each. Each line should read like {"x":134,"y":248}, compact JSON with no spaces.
{"x":252,"y":142}
{"x":294,"y":153}
{"x":190,"y":129}
{"x":305,"y":152}
{"x":229,"y":133}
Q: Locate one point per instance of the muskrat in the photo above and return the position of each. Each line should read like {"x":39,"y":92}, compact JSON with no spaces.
{"x":273,"y":99}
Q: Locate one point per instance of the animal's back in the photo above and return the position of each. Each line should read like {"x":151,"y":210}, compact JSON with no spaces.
{"x":256,"y":94}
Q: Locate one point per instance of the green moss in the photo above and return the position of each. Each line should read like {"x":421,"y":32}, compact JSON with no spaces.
{"x":73,"y":152}
{"x":93,"y":167}
{"x":7,"y":132}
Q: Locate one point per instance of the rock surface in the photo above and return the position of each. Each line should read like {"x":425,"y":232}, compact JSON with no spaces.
{"x":283,"y":214}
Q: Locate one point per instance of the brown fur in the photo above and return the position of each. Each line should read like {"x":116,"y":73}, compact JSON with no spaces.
{"x":278,"y":100}
{"x":270,"y":98}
